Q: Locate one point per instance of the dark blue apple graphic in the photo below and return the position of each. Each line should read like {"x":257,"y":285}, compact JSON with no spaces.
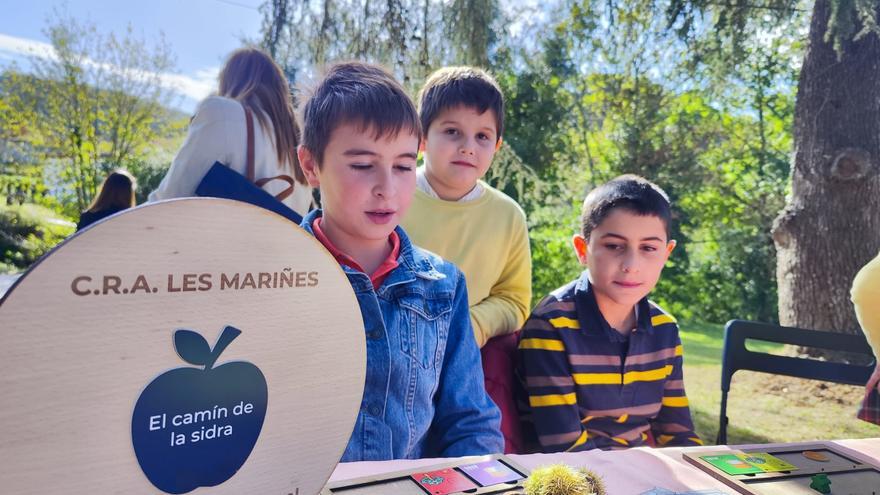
{"x":195,"y":427}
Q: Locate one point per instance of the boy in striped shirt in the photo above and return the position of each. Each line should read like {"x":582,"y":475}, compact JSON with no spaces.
{"x":599,"y":363}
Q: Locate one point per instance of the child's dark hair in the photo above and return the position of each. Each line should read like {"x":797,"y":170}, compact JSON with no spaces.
{"x":360,"y":94}
{"x":450,"y":87}
{"x":630,"y":192}
{"x":116,"y":192}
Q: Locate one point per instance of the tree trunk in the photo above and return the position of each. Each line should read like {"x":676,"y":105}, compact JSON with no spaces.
{"x":830,"y":226}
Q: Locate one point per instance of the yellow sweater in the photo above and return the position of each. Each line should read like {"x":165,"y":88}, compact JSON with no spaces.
{"x":866,"y":298}
{"x":488,"y":240}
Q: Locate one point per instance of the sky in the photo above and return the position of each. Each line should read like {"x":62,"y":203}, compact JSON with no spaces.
{"x":201,"y":33}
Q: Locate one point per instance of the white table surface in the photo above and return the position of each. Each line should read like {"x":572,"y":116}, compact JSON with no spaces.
{"x":625,"y":472}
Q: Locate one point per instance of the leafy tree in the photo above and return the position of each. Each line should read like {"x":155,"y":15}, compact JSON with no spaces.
{"x":830,"y":225}
{"x":411,"y":37}
{"x":595,"y":99}
{"x":304,"y":35}
{"x":95,"y":104}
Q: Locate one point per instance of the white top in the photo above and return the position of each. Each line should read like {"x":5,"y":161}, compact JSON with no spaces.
{"x":425,"y":186}
{"x":217,"y":133}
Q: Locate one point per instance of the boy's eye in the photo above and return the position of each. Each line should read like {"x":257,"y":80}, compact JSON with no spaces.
{"x":649,"y":249}
{"x":451,"y":131}
{"x":361,"y":166}
{"x":403,"y":167}
{"x":483,"y":137}
{"x":613,"y":247}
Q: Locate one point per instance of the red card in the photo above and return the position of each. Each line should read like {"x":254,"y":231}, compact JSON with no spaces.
{"x":443,"y":481}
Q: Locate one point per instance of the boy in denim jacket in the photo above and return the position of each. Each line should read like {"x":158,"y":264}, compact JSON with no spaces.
{"x":423,"y":393}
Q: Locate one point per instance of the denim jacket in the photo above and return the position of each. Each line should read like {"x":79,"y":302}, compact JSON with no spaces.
{"x":424,"y":394}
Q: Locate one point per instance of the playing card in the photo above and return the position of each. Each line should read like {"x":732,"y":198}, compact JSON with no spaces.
{"x":443,"y":481}
{"x":767,"y":462}
{"x":490,"y":472}
{"x":731,"y":464}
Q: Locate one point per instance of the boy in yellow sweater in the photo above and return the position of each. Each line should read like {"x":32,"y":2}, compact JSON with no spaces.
{"x":460,"y":217}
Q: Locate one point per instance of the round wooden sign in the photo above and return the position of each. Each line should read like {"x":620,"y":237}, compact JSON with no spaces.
{"x":196,"y":345}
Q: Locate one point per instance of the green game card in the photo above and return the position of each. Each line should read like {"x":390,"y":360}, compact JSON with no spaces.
{"x":731,"y":464}
{"x":767,"y":463}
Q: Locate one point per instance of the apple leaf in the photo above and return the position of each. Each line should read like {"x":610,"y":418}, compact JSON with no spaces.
{"x":226,"y":337}
{"x":192,"y":347}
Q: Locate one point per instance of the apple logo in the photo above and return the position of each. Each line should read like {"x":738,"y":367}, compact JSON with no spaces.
{"x":196,"y":426}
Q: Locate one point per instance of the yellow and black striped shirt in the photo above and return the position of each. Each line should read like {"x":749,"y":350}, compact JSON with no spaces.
{"x":586,"y":386}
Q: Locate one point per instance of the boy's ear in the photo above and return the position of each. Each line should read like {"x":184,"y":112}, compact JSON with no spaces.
{"x":669,"y":247}
{"x":580,"y":248}
{"x":422,"y":145}
{"x":498,"y":144}
{"x":309,"y":165}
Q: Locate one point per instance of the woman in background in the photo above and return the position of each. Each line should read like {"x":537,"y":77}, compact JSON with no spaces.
{"x":866,"y":299}
{"x":218,"y":133}
{"x":116,"y":194}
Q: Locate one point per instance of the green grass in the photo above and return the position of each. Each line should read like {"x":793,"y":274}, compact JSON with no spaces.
{"x":27,"y":232}
{"x":762,"y":408}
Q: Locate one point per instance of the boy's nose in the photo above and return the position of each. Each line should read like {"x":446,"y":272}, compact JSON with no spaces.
{"x":629,"y":263}
{"x":384,"y":186}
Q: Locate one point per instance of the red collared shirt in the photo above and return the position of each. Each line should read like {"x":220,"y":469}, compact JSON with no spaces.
{"x":382,"y":271}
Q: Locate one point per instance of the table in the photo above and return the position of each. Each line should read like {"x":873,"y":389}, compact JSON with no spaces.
{"x":626,"y":472}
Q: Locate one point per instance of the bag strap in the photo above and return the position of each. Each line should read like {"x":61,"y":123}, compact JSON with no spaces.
{"x":251,"y":172}
{"x":249,"y":121}
{"x":283,"y":194}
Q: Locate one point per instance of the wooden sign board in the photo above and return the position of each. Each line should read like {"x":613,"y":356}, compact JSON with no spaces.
{"x":196,"y":345}
{"x":846,"y":474}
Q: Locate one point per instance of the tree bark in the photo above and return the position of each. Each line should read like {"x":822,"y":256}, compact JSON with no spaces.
{"x":830,"y":226}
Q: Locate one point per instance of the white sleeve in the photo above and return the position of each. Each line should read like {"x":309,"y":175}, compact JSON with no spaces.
{"x":205,"y":144}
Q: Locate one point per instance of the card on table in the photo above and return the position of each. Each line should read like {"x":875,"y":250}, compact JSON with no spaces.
{"x":490,"y":472}
{"x":767,"y":463}
{"x":731,"y":464}
{"x":443,"y":481}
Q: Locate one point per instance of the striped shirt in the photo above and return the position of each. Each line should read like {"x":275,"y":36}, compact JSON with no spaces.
{"x":586,"y":386}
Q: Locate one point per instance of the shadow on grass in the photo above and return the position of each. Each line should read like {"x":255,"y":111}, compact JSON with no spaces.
{"x":706,"y":425}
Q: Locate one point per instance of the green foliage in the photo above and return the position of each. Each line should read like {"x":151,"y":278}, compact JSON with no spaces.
{"x":148,"y":177}
{"x":851,"y":20}
{"x":400,"y":34}
{"x":410,"y":37}
{"x":718,"y":33}
{"x":27,"y":232}
{"x":535,"y":115}
{"x":150,"y":168}
{"x":581,"y":111}
{"x":553,"y":258}
{"x":93,"y":106}
{"x":469,"y":26}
